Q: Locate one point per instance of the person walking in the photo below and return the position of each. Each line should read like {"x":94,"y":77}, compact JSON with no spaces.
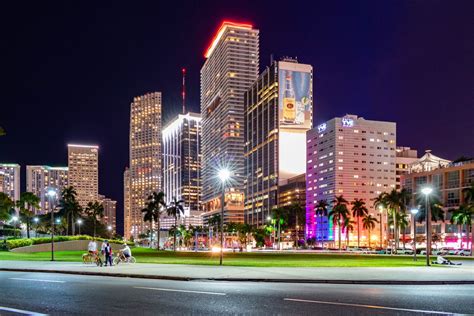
{"x":108,"y":254}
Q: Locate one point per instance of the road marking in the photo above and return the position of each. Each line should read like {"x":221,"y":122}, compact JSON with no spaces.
{"x":38,"y":280}
{"x":20,"y":311}
{"x":173,"y":290}
{"x":368,"y":306}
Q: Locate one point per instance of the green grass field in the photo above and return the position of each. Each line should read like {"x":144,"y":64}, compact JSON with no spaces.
{"x":253,"y":259}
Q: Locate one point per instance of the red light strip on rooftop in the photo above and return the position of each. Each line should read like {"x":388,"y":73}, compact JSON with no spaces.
{"x":220,"y":32}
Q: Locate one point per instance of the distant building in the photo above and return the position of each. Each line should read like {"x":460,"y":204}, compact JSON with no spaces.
{"x":352,"y":157}
{"x":83,"y":172}
{"x":182,"y":164}
{"x":405,"y":156}
{"x":448,"y":181}
{"x":39,"y":179}
{"x":293,"y":192}
{"x":230,"y":68}
{"x":278,"y":113}
{"x":127,"y":229}
{"x":10,"y":180}
{"x":145,"y":157}
{"x":428,"y":162}
{"x":110,"y":213}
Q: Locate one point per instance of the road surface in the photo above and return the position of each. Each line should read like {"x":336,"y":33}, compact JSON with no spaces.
{"x":58,"y":294}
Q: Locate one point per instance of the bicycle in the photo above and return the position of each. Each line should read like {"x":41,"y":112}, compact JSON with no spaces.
{"x":89,"y":258}
{"x":120,"y":257}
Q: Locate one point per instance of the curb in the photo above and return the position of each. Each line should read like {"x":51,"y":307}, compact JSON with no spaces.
{"x":307,"y":281}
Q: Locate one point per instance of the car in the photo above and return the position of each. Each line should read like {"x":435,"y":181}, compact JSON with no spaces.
{"x":464,"y":252}
{"x":405,"y":251}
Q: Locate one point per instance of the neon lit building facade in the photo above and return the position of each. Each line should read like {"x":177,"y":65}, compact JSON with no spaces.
{"x":39,"y":179}
{"x":278,"y":113}
{"x":145,"y":157}
{"x":83,"y":172}
{"x":231,"y":66}
{"x":182,"y":165}
{"x":348,"y":156}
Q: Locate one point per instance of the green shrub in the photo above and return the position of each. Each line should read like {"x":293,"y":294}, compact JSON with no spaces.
{"x":16,"y":243}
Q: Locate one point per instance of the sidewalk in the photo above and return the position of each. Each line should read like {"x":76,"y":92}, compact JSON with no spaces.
{"x":409,"y":275}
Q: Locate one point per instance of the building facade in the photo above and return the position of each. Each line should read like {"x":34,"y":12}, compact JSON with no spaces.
{"x":110,"y":213}
{"x":39,"y":179}
{"x":10,"y":180}
{"x":405,"y":156}
{"x":448,"y":182}
{"x":182,"y":163}
{"x":352,"y":157}
{"x":293,"y":192}
{"x":83,"y":172}
{"x":145,"y":156}
{"x":278,"y":113}
{"x":127,"y":224}
{"x":231,"y":66}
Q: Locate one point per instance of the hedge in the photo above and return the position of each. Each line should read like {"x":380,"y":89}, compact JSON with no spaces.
{"x":16,"y":243}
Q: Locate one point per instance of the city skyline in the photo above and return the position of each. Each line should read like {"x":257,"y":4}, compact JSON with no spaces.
{"x":446,"y":97}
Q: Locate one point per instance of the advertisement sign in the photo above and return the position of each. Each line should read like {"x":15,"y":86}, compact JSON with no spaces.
{"x":295,"y":102}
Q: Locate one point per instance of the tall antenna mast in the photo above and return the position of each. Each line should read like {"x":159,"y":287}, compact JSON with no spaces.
{"x":183,"y":92}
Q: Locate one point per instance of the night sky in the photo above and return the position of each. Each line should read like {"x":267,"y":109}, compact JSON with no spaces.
{"x":70,"y":69}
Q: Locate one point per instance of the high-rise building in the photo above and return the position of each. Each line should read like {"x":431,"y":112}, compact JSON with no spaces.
{"x":127,"y":226}
{"x":182,"y":164}
{"x":145,"y":156}
{"x":405,"y":156}
{"x":278,"y":113}
{"x":110,"y":213}
{"x":293,"y":192}
{"x":83,"y":174}
{"x":231,"y":66}
{"x":352,"y":157}
{"x":39,"y":179}
{"x":10,"y":180}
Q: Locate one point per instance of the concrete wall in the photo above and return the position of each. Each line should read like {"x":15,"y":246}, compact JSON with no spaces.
{"x":63,"y":246}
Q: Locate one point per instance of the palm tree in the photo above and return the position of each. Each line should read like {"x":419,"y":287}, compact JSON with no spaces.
{"x":349,"y":227}
{"x":339,"y":213}
{"x":296,"y":212}
{"x":403,"y":223}
{"x":95,"y":210}
{"x":464,"y":215}
{"x":359,"y":210}
{"x":469,"y":194}
{"x":27,"y":201}
{"x":176,"y":209}
{"x":244,"y":231}
{"x":70,"y":207}
{"x":280,"y":215}
{"x":152,"y":211}
{"x":368,"y":222}
{"x":321,"y":211}
{"x":6,"y":206}
{"x":215,"y":223}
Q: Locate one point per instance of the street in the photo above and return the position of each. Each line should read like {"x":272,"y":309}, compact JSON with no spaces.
{"x":59,"y":294}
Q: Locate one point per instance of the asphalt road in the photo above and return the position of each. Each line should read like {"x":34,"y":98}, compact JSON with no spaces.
{"x":58,"y":294}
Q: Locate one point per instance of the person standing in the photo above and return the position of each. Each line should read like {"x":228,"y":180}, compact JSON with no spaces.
{"x":108,"y":254}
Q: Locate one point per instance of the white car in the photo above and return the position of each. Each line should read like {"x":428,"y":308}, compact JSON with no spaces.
{"x":464,"y":252}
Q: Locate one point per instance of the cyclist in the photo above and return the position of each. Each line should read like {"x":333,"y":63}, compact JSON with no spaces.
{"x":126,"y":251}
{"x":92,"y":247}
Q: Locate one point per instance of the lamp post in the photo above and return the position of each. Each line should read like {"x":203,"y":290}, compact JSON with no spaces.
{"x":269,"y":219}
{"x":413,"y":212}
{"x":224,"y":175}
{"x":79,"y":223}
{"x":36,"y":221}
{"x":381,"y":219}
{"x":51,"y":196}
{"x":14,"y":220}
{"x":427,"y":191}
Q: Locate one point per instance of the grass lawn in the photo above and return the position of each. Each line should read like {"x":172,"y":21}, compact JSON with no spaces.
{"x":253,"y":259}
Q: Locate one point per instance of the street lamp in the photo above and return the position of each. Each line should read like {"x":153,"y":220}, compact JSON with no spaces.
{"x":224,"y":176}
{"x":14,"y":220}
{"x":427,"y":191}
{"x":381,"y":219}
{"x":79,"y":223}
{"x":413,"y":212}
{"x":51,"y":196}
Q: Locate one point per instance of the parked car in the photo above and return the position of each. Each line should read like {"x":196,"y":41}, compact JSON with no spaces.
{"x":405,"y":251}
{"x":464,"y":252}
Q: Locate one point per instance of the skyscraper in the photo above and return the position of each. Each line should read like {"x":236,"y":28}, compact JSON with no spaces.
{"x":182,"y":164}
{"x":230,"y":68}
{"x":41,"y":178}
{"x":145,"y":156}
{"x":110,"y":213}
{"x":10,"y":180}
{"x":83,"y":165}
{"x":127,"y":226}
{"x":352,"y":157}
{"x":278,"y":113}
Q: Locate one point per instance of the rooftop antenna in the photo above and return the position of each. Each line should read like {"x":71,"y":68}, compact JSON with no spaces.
{"x":183,"y":92}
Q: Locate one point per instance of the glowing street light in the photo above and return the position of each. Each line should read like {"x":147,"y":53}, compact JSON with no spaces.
{"x":79,"y":223}
{"x":36,"y":219}
{"x":381,"y":224}
{"x":426,"y":192}
{"x":413,"y":212}
{"x":52,"y":195}
{"x":224,"y":176}
{"x":109,"y":228}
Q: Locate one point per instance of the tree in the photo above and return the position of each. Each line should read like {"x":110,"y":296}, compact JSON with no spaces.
{"x":259,"y":234}
{"x":214,"y":222}
{"x":6,"y":206}
{"x":95,"y":210}
{"x":69,"y":207}
{"x":359,"y":210}
{"x":27,"y":201}
{"x":280,"y":215}
{"x":464,"y":215}
{"x":339,"y":213}
{"x":176,"y":209}
{"x":469,"y":194}
{"x":297,"y":216}
{"x":244,"y":231}
{"x":403,"y":223}
{"x":349,"y":227}
{"x":321,"y":211}
{"x":368,"y":222}
{"x":152,"y":212}
{"x":2,"y":131}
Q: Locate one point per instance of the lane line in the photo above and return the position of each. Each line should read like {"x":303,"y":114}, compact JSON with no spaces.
{"x":20,"y":311}
{"x":37,"y":280}
{"x":174,"y":290}
{"x":369,"y":306}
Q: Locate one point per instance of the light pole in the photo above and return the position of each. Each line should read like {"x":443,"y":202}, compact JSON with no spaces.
{"x":14,"y":220}
{"x":381,"y":219}
{"x":79,"y":223}
{"x":427,"y":191}
{"x":413,"y":212}
{"x":52,"y":195}
{"x":224,"y":175}
{"x":36,"y":221}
